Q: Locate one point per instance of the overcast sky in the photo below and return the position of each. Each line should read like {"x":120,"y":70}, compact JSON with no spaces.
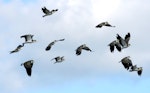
{"x":91,"y":72}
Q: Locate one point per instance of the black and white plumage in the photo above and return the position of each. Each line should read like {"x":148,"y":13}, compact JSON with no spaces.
{"x":104,"y":24}
{"x":114,"y":44}
{"x":124,"y":42}
{"x":126,"y":62}
{"x":58,"y":59}
{"x":48,"y":12}
{"x":28,"y":66}
{"x":138,"y":69}
{"x":133,"y":68}
{"x":28,"y":38}
{"x":82,"y":47}
{"x":52,"y":43}
{"x":17,"y":49}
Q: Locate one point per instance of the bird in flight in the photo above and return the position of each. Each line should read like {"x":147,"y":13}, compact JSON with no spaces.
{"x":104,"y":24}
{"x":58,"y":59}
{"x":28,"y":66}
{"x":28,"y":38}
{"x":48,"y":12}
{"x":82,"y":47}
{"x":52,"y":43}
{"x":138,"y":69}
{"x":126,"y":62}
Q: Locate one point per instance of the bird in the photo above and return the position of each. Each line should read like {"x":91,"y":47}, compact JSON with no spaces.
{"x":28,"y":38}
{"x":17,"y":49}
{"x":126,"y":62}
{"x":104,"y":24}
{"x":48,"y":12}
{"x":124,"y":42}
{"x":114,"y":44}
{"x":84,"y":47}
{"x":58,"y":59}
{"x":52,"y":43}
{"x":138,"y":69}
{"x":28,"y":66}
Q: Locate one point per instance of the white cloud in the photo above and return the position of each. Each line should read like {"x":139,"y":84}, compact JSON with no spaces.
{"x":75,"y":21}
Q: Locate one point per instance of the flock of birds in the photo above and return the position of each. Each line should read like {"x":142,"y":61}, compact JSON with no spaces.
{"x":120,"y":43}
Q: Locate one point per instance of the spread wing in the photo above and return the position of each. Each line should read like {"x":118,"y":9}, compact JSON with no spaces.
{"x":49,"y":46}
{"x":29,"y":71}
{"x":127,"y":38}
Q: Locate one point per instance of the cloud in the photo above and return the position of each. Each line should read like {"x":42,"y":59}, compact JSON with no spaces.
{"x":75,"y":21}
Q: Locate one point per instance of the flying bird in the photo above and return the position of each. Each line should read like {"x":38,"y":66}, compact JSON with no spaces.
{"x":28,"y":38}
{"x":58,"y":59}
{"x":138,"y":69}
{"x":48,"y":12}
{"x":104,"y":24}
{"x":82,"y":47}
{"x":52,"y":43}
{"x":114,"y":44}
{"x":28,"y":66}
{"x":126,"y":62}
{"x":17,"y":49}
{"x":124,"y":42}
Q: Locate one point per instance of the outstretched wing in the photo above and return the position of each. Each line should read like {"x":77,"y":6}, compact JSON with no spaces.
{"x":49,"y":46}
{"x":127,"y":38}
{"x":100,"y":25}
{"x":86,"y":48}
{"x":118,"y":46}
{"x":29,"y":71}
{"x":78,"y":51}
{"x":45,"y":10}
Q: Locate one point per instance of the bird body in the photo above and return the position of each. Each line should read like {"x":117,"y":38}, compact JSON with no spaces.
{"x":126,"y":62}
{"x":138,"y":69}
{"x":58,"y":59}
{"x":28,"y":38}
{"x":82,"y":47}
{"x":28,"y":66}
{"x":48,"y":12}
{"x":104,"y":24}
